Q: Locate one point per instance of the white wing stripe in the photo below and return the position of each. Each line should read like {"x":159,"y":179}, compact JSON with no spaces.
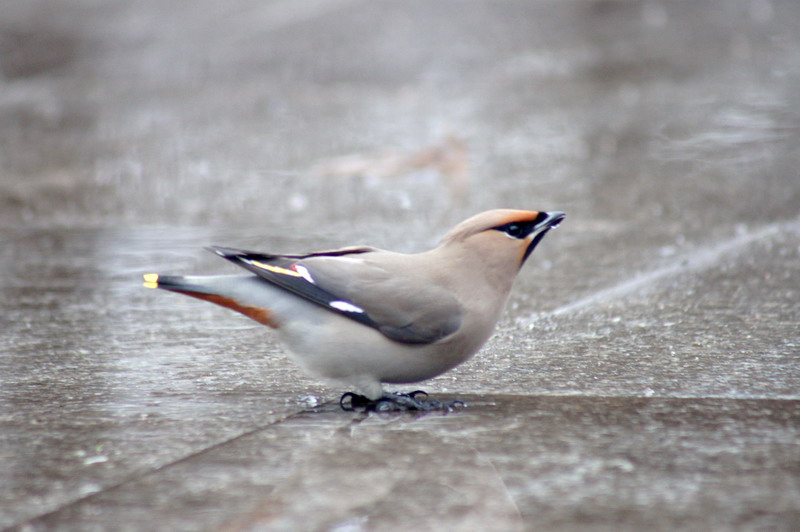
{"x":344,"y":306}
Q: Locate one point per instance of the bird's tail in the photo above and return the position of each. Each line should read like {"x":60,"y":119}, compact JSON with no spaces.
{"x":184,"y":284}
{"x":228,"y":291}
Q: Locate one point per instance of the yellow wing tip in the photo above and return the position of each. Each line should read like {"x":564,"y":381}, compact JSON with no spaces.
{"x":150,"y":280}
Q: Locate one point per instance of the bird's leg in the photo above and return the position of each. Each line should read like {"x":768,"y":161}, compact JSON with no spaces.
{"x":396,"y":402}
{"x":351,"y":401}
{"x":416,"y":400}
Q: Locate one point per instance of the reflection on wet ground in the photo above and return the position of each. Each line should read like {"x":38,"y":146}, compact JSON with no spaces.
{"x":645,"y":373}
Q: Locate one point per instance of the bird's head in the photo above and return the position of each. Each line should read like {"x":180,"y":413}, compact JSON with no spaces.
{"x":503,"y":238}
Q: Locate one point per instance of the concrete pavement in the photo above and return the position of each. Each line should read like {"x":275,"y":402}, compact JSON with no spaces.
{"x":645,"y":374}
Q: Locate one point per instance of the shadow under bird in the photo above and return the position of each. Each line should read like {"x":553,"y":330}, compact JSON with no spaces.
{"x":361,"y":316}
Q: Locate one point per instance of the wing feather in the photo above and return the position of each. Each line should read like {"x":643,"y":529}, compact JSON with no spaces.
{"x":363,"y":284}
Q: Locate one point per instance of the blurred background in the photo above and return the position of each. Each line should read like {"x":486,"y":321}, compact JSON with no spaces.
{"x":133,"y":133}
{"x":272,"y":115}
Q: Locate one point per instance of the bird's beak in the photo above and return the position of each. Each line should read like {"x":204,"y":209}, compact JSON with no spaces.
{"x":544,"y":222}
{"x":548,"y":220}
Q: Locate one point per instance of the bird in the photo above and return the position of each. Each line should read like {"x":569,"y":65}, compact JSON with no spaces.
{"x":361,"y":317}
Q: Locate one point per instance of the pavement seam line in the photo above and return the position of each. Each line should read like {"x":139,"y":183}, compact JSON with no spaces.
{"x":696,"y":259}
{"x":145,"y":473}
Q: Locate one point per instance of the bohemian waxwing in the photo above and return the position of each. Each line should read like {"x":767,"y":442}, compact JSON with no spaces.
{"x":362,"y":316}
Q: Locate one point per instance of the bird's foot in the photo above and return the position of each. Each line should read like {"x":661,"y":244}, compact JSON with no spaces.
{"x":397,"y":402}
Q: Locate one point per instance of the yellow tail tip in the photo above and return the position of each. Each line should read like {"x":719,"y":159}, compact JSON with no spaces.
{"x":150,"y":280}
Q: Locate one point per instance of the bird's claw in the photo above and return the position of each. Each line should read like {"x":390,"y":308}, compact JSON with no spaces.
{"x":351,"y":402}
{"x":396,"y":402}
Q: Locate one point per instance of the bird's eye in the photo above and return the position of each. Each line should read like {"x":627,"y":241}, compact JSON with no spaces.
{"x":516,"y":229}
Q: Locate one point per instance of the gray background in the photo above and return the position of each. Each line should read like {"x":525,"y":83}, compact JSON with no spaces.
{"x":645,"y":374}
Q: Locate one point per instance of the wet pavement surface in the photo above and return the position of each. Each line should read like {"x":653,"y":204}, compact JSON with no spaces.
{"x":646,"y":373}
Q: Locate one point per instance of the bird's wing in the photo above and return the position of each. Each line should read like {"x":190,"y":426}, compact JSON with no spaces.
{"x":363,"y":284}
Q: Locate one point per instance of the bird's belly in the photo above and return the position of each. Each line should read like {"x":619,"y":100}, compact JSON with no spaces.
{"x":342,"y":349}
